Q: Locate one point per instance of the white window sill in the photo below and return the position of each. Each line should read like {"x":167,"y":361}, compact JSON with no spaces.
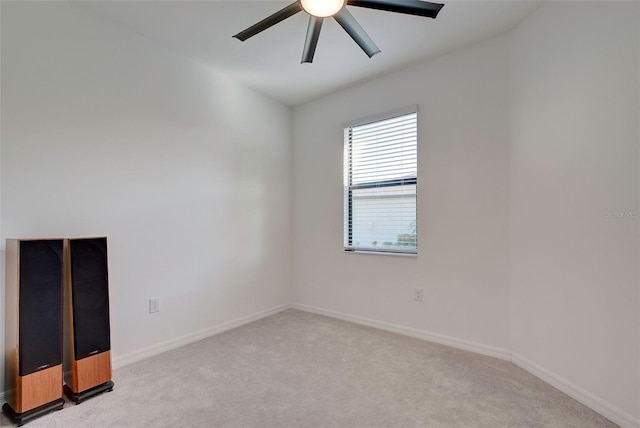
{"x":381,"y":253}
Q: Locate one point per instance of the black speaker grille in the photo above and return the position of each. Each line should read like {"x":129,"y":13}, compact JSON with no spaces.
{"x":40,"y":324}
{"x":90,"y":296}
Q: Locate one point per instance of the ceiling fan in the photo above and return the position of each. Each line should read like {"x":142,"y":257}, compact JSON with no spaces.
{"x":320,"y":9}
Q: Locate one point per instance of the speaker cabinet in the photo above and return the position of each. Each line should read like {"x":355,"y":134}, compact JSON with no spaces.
{"x":90,"y":337}
{"x":33,"y":328}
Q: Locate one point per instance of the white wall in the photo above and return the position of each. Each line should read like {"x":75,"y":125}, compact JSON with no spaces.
{"x":463,"y":201}
{"x":575,"y":158}
{"x":525,"y":143}
{"x":185,"y":171}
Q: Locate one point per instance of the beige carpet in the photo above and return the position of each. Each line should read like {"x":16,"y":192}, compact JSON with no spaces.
{"x":296,"y":369}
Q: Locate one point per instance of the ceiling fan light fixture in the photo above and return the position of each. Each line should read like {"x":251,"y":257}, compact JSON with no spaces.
{"x":322,"y":8}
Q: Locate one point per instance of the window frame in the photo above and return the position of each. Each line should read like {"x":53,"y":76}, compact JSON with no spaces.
{"x":398,"y":182}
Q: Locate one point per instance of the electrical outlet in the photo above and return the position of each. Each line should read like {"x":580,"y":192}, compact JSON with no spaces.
{"x":154,"y":305}
{"x":418,"y":294}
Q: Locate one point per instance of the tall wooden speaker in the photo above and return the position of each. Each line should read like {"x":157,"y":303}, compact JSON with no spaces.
{"x":33,"y":328}
{"x":88,"y":290}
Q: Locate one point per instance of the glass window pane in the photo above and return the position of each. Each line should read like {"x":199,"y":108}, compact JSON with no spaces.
{"x":380,"y":176}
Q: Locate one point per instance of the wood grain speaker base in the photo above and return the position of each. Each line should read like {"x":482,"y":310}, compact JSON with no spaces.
{"x":37,"y":389}
{"x":22,"y":418}
{"x":90,"y":372}
{"x":79,"y":397}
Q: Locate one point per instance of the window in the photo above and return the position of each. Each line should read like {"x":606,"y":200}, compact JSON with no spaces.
{"x":380,"y":183}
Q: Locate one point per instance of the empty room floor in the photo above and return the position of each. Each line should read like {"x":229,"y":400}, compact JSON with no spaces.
{"x":296,"y":369}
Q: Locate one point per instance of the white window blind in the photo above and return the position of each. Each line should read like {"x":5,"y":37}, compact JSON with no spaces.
{"x":380,"y":185}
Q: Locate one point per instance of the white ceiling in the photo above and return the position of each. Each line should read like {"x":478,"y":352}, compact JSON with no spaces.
{"x":270,"y":61}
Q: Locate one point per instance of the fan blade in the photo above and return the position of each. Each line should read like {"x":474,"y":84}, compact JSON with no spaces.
{"x":310,"y":43}
{"x":411,"y":7}
{"x":270,"y":21}
{"x":357,"y":33}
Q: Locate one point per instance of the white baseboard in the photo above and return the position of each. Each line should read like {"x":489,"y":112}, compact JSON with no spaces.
{"x":610,"y":412}
{"x":467,"y":345}
{"x":141,"y":354}
{"x":596,"y":404}
{"x":607,"y":410}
